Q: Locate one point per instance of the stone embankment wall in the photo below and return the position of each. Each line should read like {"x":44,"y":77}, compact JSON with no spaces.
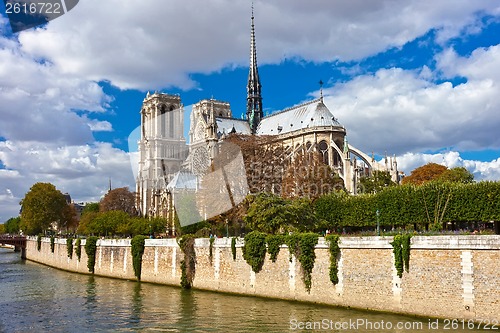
{"x":449,"y":276}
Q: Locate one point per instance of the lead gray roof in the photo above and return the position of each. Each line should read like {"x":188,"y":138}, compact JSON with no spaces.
{"x":303,"y":116}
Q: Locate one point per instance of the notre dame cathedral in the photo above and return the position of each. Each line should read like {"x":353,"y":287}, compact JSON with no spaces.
{"x":169,"y":165}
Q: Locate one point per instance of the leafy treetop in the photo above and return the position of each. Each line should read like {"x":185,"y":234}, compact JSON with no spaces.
{"x":118,"y":199}
{"x":42,"y":206}
{"x":433,"y":171}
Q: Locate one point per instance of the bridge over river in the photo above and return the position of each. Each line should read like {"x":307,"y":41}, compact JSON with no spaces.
{"x":19,"y":243}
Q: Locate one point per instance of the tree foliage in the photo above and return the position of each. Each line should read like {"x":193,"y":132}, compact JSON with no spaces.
{"x":118,"y":199}
{"x":119,"y":223}
{"x":457,"y":175}
{"x":425,"y":173}
{"x":254,"y":250}
{"x":12,"y":225}
{"x":308,"y":177}
{"x":273,"y":214}
{"x":70,"y":219}
{"x":433,"y":203}
{"x":375,"y":183}
{"x":42,"y":207}
{"x":90,"y":207}
{"x":285,"y":171}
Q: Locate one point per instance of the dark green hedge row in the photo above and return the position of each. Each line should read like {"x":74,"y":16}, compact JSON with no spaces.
{"x":432,"y":203}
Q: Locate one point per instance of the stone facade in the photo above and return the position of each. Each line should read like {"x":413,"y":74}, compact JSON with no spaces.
{"x":449,"y":276}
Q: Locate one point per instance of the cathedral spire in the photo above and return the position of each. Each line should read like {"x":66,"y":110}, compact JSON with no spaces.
{"x":254,"y":98}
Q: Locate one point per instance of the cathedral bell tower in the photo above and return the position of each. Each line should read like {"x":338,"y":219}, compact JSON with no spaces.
{"x":254,"y":98}
{"x":162,"y":150}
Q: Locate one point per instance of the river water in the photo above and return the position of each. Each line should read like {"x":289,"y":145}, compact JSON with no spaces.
{"x":36,"y":298}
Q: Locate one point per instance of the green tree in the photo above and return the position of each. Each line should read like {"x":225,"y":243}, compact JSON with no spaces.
{"x":268,"y":213}
{"x":143,"y":226}
{"x":303,"y":218}
{"x":375,"y":183}
{"x":85,"y":226}
{"x":108,"y":223}
{"x":42,"y":207}
{"x":457,"y":175}
{"x":2,"y":229}
{"x":12,"y":226}
{"x":90,"y":207}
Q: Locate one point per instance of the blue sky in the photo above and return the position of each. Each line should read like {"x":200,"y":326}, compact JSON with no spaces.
{"x":414,"y":80}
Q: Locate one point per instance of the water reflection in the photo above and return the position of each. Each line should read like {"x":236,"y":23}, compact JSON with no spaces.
{"x":136,"y":304}
{"x":36,"y":298}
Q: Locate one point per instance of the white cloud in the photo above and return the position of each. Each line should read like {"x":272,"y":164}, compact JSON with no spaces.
{"x":482,"y":63}
{"x":152,"y":45}
{"x":100,"y":126}
{"x":402,"y":111}
{"x":37,"y":100}
{"x":82,"y":171}
{"x":481,"y":170}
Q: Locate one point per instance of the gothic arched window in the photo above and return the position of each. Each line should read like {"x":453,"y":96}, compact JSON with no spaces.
{"x":323,"y":148}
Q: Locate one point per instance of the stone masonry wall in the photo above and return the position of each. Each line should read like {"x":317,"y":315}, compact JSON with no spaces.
{"x":449,"y":276}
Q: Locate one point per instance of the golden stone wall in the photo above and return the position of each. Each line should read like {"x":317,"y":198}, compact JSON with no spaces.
{"x":449,"y":276}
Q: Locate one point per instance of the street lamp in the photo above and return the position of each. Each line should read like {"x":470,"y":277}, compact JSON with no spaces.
{"x":378,"y":223}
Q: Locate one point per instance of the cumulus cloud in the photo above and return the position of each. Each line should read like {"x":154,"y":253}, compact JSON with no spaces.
{"x":152,"y":46}
{"x":82,"y":171}
{"x":401,"y":111}
{"x":100,"y":126}
{"x":37,"y":101}
{"x":481,"y":170}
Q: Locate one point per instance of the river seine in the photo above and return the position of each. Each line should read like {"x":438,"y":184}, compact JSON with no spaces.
{"x":36,"y":298}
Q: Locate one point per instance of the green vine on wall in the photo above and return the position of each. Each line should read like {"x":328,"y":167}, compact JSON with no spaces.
{"x":211,"y":250}
{"x":233,"y":247}
{"x":90,"y":249}
{"x":39,"y":242}
{"x":69,"y":247}
{"x":302,"y":246}
{"x":78,"y":248}
{"x":188,"y":265}
{"x":254,"y":250}
{"x":137,"y":251}
{"x":401,"y":250}
{"x":292,"y":241}
{"x":405,"y":251}
{"x":333,"y":241}
{"x":274,"y":243}
{"x":52,"y":244}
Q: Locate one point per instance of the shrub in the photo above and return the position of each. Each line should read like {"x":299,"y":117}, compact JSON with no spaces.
{"x":333,"y":241}
{"x":78,"y":248}
{"x":69,"y":247}
{"x":137,"y":244}
{"x":90,"y":249}
{"x":274,"y":243}
{"x":254,"y":250}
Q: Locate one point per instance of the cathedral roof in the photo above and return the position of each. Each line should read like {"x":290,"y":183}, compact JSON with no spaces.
{"x":226,"y":125}
{"x":308,"y":115}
